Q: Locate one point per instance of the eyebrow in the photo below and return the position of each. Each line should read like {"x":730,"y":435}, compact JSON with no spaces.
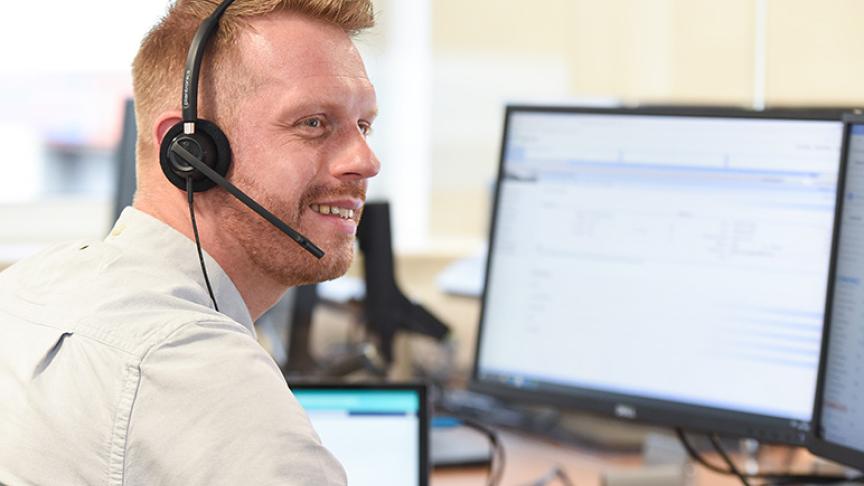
{"x":314,"y":106}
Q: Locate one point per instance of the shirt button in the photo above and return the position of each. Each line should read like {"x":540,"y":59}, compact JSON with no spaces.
{"x":118,"y":229}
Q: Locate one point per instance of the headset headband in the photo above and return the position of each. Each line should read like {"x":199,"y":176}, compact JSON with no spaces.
{"x":193,"y":66}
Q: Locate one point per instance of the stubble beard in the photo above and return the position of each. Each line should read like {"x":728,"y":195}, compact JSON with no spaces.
{"x":274,"y":253}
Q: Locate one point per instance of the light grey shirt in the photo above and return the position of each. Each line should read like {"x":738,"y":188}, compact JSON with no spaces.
{"x":115,"y":369}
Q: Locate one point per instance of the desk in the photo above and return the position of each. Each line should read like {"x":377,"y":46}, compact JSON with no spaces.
{"x":529,"y":459}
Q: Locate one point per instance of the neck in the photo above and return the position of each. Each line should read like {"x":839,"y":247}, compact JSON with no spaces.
{"x":258,"y":290}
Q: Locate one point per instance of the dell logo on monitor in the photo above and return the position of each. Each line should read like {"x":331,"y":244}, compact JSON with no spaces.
{"x":625,"y":411}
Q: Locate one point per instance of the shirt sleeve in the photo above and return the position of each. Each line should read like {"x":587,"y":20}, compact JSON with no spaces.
{"x":213,"y":408}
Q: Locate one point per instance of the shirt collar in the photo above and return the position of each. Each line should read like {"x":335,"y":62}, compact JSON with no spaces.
{"x":139,"y":231}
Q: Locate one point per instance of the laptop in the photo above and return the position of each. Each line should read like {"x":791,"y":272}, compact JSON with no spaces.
{"x":379,"y":432}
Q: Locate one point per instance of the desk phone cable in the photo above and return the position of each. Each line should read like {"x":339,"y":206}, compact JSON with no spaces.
{"x":772,"y":478}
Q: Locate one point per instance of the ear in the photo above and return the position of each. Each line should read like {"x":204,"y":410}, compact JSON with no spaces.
{"x":162,"y":124}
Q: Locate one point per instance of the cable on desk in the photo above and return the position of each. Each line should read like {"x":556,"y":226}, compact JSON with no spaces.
{"x":496,"y":469}
{"x":719,"y":448}
{"x":773,"y":479}
{"x":696,"y":456}
{"x":555,"y":472}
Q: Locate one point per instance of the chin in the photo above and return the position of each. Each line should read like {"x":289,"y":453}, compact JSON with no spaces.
{"x":301,"y":268}
{"x":334,"y":268}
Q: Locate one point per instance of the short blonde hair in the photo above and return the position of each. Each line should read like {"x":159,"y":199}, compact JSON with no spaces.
{"x":157,"y":71}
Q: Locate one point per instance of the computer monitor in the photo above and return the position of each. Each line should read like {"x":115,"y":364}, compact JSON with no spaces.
{"x":125,"y":160}
{"x":662,"y":267}
{"x":838,"y":416}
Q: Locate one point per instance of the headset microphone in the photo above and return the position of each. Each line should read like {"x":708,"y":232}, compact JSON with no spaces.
{"x":195,"y":154}
{"x":178,"y":149}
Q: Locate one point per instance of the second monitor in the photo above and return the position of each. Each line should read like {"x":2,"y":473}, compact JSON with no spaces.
{"x":838,"y":418}
{"x":660,"y":266}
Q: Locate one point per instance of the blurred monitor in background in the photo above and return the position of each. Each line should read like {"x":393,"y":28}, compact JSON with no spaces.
{"x":125,"y":162}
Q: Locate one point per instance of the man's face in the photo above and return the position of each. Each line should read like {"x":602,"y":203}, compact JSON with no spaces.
{"x":299,"y":144}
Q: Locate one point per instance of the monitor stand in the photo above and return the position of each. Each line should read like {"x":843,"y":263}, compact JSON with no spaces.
{"x":386,"y":307}
{"x":300,"y":363}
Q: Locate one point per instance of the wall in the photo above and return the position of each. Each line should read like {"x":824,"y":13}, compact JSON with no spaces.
{"x":738,"y":52}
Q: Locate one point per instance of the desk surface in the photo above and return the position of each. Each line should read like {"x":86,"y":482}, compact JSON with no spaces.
{"x":529,"y":459}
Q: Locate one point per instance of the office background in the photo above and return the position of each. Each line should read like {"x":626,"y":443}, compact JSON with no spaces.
{"x":443,"y":69}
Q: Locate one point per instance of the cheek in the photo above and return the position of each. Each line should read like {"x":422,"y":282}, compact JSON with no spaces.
{"x":297,"y":173}
{"x":280,"y":175}
{"x":284,"y":170}
{"x":291,"y":186}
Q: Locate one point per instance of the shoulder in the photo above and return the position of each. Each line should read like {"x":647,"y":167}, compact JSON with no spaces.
{"x":125,"y":299}
{"x":213,"y":406}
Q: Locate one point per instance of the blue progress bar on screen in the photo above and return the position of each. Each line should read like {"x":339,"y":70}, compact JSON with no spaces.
{"x":360,"y":401}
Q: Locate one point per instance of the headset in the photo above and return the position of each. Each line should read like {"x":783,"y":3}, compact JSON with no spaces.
{"x":195,"y":154}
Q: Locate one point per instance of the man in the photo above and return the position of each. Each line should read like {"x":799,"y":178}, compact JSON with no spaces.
{"x":115,"y":367}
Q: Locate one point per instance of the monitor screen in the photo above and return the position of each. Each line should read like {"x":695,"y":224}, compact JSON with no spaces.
{"x":840,"y":405}
{"x":377,"y":432}
{"x":124,"y":191}
{"x":660,"y":266}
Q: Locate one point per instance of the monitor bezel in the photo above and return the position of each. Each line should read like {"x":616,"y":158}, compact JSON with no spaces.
{"x":816,"y":442}
{"x":631,"y":407}
{"x":423,"y":412}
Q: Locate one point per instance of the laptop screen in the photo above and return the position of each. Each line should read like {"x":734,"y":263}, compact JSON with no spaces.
{"x":378,"y":432}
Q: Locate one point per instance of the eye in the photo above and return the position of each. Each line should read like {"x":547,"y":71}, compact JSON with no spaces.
{"x":313,"y":122}
{"x":312,"y":126}
{"x":365,"y":128}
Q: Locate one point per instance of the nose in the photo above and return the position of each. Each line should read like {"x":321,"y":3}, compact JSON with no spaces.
{"x":356,"y":161}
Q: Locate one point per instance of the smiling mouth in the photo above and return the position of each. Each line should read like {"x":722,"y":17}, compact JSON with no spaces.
{"x":344,"y":213}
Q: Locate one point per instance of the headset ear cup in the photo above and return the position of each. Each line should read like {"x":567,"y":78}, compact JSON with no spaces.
{"x":208,"y":134}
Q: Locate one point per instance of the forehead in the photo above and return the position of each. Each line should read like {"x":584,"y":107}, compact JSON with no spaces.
{"x":285,"y":46}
